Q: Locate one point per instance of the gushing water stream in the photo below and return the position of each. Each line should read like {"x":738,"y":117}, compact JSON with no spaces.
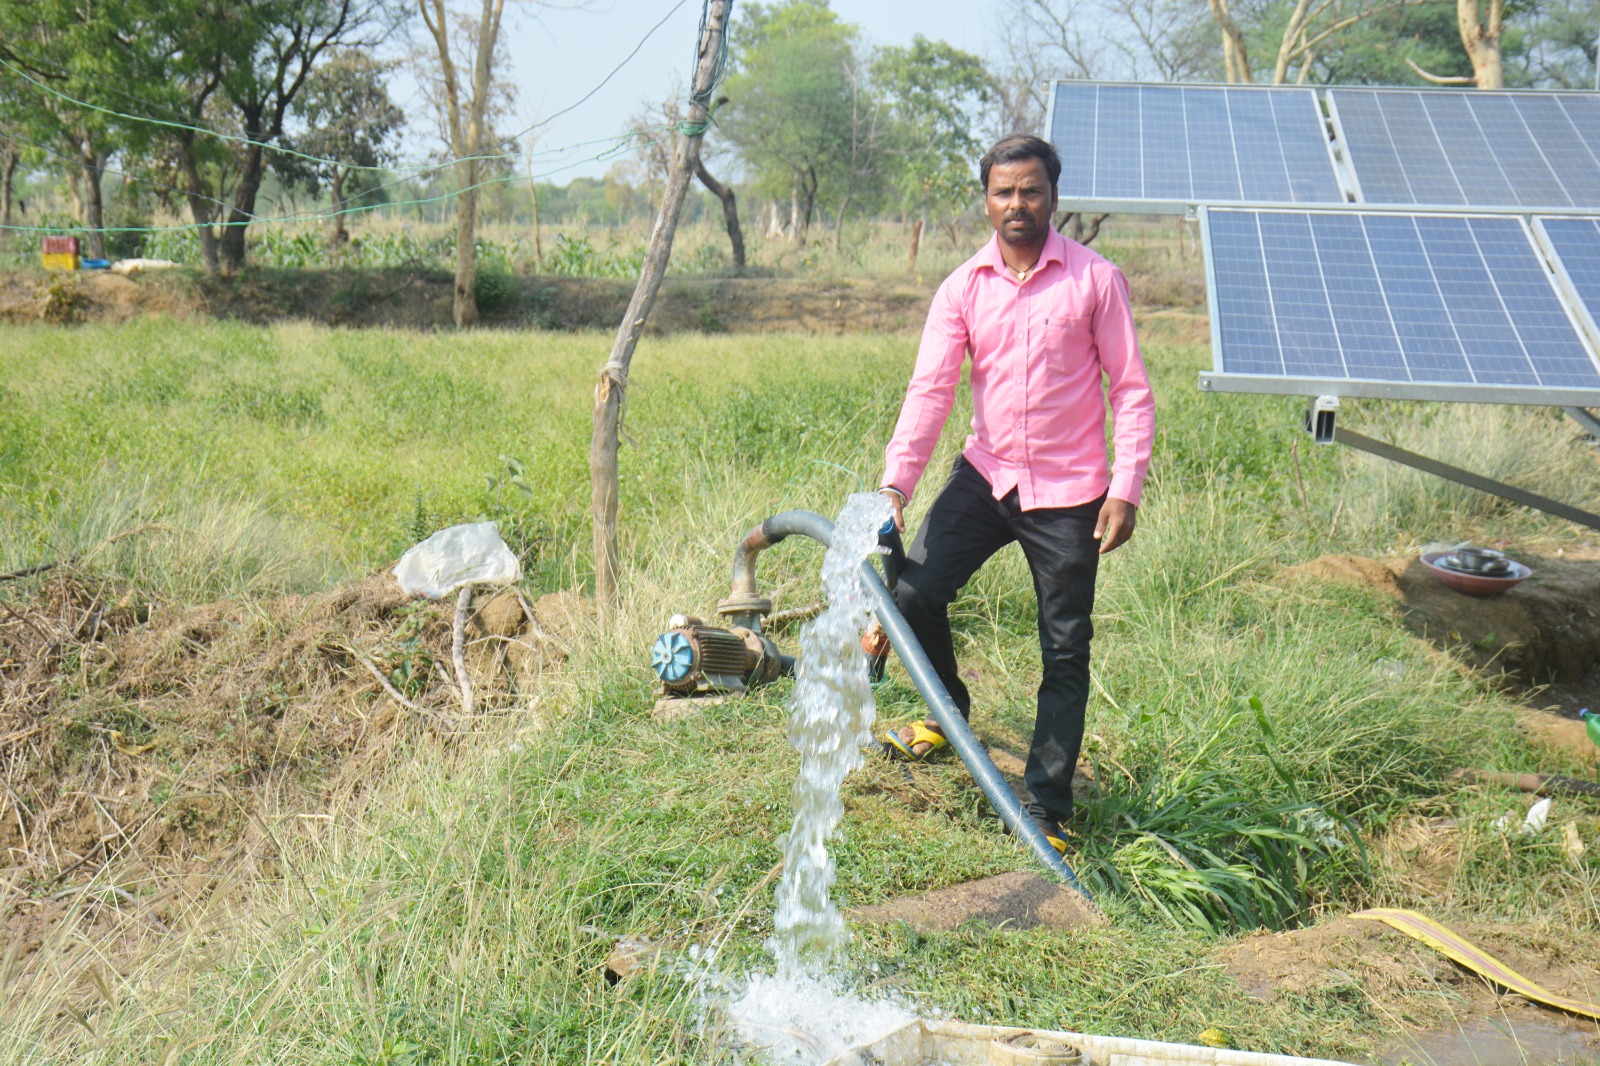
{"x":799,"y":1014}
{"x":830,"y":720}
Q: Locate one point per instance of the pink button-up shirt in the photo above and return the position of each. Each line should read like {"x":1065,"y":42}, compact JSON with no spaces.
{"x":1039,"y":348}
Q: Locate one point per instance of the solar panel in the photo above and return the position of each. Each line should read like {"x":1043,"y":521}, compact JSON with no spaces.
{"x":1472,"y":149}
{"x":1159,"y":148}
{"x":1573,"y":246}
{"x":1405,"y":306}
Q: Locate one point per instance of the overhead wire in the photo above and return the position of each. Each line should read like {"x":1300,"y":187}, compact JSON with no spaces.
{"x":483,"y":156}
{"x":618,"y":148}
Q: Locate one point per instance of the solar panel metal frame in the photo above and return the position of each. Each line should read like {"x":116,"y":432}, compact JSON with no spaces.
{"x":1159,"y":206}
{"x":1216,"y":380}
{"x":1349,"y":168}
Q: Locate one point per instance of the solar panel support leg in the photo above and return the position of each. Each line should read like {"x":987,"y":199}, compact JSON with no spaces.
{"x":1469,"y":479}
{"x":1585,"y":418}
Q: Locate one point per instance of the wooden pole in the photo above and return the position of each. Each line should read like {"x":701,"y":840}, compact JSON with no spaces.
{"x":610,"y":390}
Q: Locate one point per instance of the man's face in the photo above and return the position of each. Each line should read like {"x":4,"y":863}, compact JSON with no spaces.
{"x":1020,"y":201}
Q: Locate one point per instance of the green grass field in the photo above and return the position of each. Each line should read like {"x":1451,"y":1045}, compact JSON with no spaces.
{"x":1271,"y":731}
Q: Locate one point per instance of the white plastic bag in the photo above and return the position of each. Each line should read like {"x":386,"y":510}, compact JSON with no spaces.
{"x":471,"y":554}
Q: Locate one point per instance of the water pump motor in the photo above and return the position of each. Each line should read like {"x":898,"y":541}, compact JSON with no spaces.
{"x":692,"y":658}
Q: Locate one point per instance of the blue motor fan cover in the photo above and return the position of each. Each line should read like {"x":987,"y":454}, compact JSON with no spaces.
{"x":672,"y":657}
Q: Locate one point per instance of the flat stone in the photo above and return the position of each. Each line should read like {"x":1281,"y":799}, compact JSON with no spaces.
{"x":1019,"y":900}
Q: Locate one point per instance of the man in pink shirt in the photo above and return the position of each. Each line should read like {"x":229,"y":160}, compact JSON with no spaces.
{"x":1044,"y":320}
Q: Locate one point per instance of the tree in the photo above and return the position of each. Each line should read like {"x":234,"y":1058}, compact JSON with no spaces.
{"x":348,"y":122}
{"x":934,"y":92}
{"x":466,"y":94}
{"x":232,"y":71}
{"x":1413,"y":45}
{"x":1294,"y":32}
{"x":1558,"y":49}
{"x":658,"y":130}
{"x":75,"y":53}
{"x":1137,"y":40}
{"x":258,"y":71}
{"x":611,"y":389}
{"x":1482,"y":30}
{"x":790,"y":114}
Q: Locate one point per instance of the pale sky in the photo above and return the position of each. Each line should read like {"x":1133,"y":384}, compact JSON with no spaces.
{"x":559,"y":55}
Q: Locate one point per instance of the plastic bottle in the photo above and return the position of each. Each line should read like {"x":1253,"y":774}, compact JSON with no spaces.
{"x":1592,"y":720}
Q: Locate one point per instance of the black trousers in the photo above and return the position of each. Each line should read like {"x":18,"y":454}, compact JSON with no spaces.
{"x":963,"y":529}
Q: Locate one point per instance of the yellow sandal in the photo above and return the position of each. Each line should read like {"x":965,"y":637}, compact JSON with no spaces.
{"x":920,"y":734}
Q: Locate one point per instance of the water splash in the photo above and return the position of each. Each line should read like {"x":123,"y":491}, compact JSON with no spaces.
{"x":806,"y":1020}
{"x":830,"y":719}
{"x":804,"y":1013}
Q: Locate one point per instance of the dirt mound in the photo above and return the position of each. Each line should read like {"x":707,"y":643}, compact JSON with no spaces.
{"x":421,"y":299}
{"x":1349,"y":570}
{"x":1543,"y":635}
{"x":151,"y":744}
{"x":1019,"y":900}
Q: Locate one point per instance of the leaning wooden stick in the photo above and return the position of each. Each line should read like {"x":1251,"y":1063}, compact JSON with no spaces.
{"x":458,"y":645}
{"x":1538,"y":784}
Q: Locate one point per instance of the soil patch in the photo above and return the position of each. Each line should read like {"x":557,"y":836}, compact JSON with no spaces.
{"x":421,"y":299}
{"x":1411,"y":982}
{"x":1542,"y":636}
{"x":145,"y":751}
{"x":1020,"y":900}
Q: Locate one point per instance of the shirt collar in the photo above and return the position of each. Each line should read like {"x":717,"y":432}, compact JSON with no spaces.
{"x":1055,"y":251}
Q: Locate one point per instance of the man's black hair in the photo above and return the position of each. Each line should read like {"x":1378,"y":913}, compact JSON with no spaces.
{"x":1016,"y":148}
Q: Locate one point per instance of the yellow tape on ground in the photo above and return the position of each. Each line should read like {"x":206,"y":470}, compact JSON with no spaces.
{"x":1474,"y":958}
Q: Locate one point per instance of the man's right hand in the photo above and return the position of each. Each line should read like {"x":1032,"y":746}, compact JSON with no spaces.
{"x":898,"y":502}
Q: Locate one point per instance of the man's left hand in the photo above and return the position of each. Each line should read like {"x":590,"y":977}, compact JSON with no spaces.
{"x":1115,"y":524}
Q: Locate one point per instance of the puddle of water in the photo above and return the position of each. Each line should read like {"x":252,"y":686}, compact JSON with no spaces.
{"x":1500,"y":1042}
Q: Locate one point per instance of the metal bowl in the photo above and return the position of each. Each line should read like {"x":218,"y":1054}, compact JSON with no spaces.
{"x":1474,"y":584}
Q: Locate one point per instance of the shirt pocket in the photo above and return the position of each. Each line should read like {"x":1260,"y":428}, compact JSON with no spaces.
{"x":1066,"y":339}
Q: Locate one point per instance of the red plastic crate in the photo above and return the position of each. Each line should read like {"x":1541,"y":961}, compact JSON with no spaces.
{"x":60,"y":246}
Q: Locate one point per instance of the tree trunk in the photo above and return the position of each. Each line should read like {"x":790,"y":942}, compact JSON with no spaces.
{"x":805,"y":206}
{"x":609,"y":392}
{"x":533,"y":197}
{"x":465,"y":307}
{"x":251,"y":172}
{"x":92,"y":167}
{"x":796,"y":233}
{"x":916,"y":245}
{"x":1481,"y":39}
{"x":1235,"y":51}
{"x":9,"y":157}
{"x":340,"y":236}
{"x":730,"y":210}
{"x":199,"y":208}
{"x":838,"y":228}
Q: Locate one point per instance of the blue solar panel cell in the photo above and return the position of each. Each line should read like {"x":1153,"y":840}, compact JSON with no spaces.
{"x":1172,"y":144}
{"x":1406,"y":301}
{"x":1165,"y":136}
{"x":1304,"y":141}
{"x":1118,"y":164}
{"x":1482,"y":149}
{"x":1074,"y":130}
